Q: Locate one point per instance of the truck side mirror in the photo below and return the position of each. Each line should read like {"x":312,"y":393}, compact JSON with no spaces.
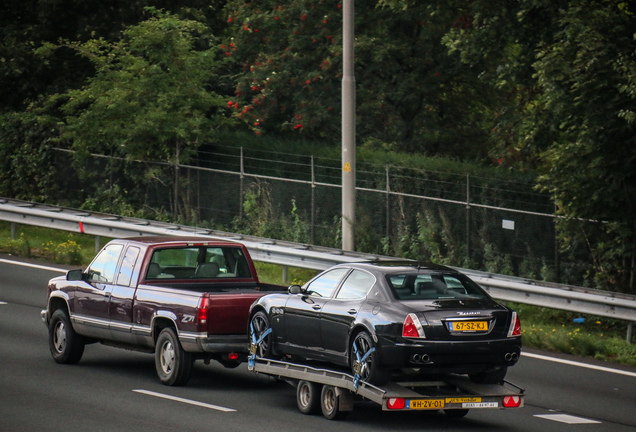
{"x":75,"y":275}
{"x":294,"y":289}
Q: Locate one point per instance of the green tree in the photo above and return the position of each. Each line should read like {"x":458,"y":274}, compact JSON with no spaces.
{"x":410,"y":92}
{"x":151,"y":97}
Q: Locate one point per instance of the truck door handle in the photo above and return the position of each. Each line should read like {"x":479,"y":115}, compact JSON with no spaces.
{"x":316,"y":307}
{"x":352,"y":311}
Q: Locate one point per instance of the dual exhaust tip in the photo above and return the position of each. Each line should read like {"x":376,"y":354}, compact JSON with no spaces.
{"x":425,"y":358}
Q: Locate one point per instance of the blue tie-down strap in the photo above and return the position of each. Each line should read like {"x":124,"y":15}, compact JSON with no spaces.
{"x":251,"y":360}
{"x":357,"y":367}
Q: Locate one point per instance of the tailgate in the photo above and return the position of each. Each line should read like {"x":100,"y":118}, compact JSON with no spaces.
{"x":229,"y":313}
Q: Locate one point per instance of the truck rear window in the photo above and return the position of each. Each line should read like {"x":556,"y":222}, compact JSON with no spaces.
{"x":198,"y":262}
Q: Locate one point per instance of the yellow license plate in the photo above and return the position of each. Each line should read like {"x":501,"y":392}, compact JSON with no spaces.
{"x":468,"y":326}
{"x":425,"y":404}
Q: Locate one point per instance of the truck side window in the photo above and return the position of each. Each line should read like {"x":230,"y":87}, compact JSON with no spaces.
{"x":127,"y":266}
{"x":103,"y":267}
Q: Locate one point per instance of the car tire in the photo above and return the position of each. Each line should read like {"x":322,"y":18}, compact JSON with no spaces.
{"x":368,"y":370}
{"x":491,"y":377}
{"x":308,"y":397}
{"x":66,"y":346}
{"x":259,"y":324}
{"x":173,"y":364}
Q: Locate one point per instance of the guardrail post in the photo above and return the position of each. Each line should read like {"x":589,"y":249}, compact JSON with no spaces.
{"x":285,"y":275}
{"x":97,"y":244}
{"x":14,"y":230}
{"x":630,"y":329}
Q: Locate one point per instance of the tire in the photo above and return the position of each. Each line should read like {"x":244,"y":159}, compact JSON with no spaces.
{"x":456,"y":413}
{"x":173,"y":364}
{"x":308,"y":397}
{"x":330,"y":404}
{"x":259,"y":324}
{"x":368,"y":370}
{"x":491,"y":377}
{"x":66,"y":346}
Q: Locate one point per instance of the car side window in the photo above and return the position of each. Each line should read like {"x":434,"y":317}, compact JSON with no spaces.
{"x":356,"y":286}
{"x":103,"y":267}
{"x":326,"y":283}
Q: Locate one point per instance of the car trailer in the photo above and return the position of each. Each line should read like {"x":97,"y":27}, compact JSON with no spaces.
{"x":334,"y":392}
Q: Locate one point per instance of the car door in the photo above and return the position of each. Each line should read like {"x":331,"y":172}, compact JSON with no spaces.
{"x":92,"y":296}
{"x":302,"y":311}
{"x":339,"y":313}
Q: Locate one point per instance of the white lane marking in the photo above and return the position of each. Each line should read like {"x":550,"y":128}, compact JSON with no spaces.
{"x":187,"y":401}
{"x":33,"y":265}
{"x":1,"y":303}
{"x":565,"y":418}
{"x":579,"y":364}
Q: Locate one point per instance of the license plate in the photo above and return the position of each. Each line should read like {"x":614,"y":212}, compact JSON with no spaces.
{"x":468,"y":326}
{"x":425,"y":404}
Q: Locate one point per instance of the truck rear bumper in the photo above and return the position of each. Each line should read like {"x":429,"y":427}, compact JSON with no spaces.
{"x":197,"y":342}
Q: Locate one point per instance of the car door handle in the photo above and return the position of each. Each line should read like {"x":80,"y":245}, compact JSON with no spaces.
{"x":352,"y":311}
{"x":316,"y":307}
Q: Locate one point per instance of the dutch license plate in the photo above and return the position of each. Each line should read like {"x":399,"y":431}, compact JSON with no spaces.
{"x":425,"y":404}
{"x":468,"y":326}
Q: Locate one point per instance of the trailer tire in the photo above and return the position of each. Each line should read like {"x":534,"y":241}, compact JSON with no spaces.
{"x":456,"y":413}
{"x":369,"y":370}
{"x":308,"y":396}
{"x":173,"y":364}
{"x":330,"y":404}
{"x":259,"y":323}
{"x":66,"y":346}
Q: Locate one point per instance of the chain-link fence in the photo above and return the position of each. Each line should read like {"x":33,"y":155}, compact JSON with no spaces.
{"x":482,"y":223}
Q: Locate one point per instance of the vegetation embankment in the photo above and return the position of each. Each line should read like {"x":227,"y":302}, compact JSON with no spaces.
{"x":548,"y":329}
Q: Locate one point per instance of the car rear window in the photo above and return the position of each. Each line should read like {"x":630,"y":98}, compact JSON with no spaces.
{"x":434,"y":286}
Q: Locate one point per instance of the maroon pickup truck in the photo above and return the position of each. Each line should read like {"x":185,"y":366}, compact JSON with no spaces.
{"x":181,"y":298}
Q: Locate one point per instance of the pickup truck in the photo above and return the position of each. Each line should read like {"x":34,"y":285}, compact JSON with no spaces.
{"x":181,"y":298}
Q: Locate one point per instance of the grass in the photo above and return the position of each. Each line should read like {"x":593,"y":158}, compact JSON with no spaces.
{"x":542,"y":328}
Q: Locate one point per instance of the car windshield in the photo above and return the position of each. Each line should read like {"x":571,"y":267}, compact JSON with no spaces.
{"x":434,"y":286}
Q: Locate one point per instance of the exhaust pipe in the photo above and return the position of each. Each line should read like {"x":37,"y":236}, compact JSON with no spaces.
{"x":511,"y":357}
{"x":420,"y":358}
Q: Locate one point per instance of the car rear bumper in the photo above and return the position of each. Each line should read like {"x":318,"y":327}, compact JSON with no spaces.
{"x":450,"y":356}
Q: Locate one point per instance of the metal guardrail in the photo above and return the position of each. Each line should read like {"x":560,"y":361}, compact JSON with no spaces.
{"x":288,"y":254}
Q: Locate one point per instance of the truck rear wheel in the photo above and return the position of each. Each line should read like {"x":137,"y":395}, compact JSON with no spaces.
{"x":308,"y":397}
{"x":66,"y":346}
{"x":172,"y":363}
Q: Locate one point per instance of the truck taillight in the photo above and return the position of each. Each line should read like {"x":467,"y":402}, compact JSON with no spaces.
{"x":204,"y":307}
{"x":412,"y":327}
{"x":515,"y":326}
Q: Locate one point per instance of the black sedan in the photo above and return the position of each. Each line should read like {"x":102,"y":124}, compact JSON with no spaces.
{"x":379,"y":318}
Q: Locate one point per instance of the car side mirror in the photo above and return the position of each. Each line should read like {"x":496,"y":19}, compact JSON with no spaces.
{"x":294,"y":289}
{"x":75,"y":275}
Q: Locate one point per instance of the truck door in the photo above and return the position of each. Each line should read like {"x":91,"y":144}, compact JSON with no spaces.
{"x":121,"y":300}
{"x":92,"y":297}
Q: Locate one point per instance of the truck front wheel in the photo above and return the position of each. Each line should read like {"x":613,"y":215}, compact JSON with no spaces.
{"x":173,"y":364}
{"x":66,"y":346}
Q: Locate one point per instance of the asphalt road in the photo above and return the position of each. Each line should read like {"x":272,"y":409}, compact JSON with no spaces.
{"x":117,"y":390}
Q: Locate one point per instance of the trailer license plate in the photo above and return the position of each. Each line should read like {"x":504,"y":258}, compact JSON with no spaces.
{"x":425,"y":404}
{"x":468,"y":326}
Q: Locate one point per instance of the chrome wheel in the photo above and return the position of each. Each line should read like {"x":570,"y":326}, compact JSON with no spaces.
{"x":167,"y":357}
{"x":59,"y":337}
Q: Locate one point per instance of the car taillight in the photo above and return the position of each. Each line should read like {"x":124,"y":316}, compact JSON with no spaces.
{"x":515,"y":326}
{"x":412,"y":327}
{"x":204,"y":307}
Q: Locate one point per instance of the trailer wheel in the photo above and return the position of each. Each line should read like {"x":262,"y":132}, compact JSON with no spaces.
{"x":330,"y":403}
{"x":308,"y":397}
{"x":66,"y":346}
{"x":259,"y":325}
{"x":456,"y":413}
{"x":173,"y":364}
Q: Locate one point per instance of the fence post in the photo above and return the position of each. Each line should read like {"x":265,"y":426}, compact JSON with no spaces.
{"x":241,"y":177}
{"x":388,"y":206}
{"x":313,"y":202}
{"x":468,"y":217}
